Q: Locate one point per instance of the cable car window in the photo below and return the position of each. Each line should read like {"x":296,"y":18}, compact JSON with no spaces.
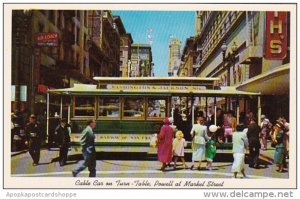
{"x":84,"y":106}
{"x":156,"y":108}
{"x":134,"y":107}
{"x":109,"y":107}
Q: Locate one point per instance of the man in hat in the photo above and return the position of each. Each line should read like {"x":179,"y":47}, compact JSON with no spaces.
{"x":33,"y":135}
{"x":63,"y":134}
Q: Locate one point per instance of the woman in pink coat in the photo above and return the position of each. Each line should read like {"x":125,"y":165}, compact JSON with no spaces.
{"x":165,"y":140}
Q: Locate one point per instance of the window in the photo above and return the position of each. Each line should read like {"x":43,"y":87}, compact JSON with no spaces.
{"x":84,"y":106}
{"x":156,"y":108}
{"x":133,"y":107}
{"x":109,"y":107}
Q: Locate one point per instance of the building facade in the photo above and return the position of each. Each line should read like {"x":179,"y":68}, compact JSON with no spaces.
{"x":174,"y":56}
{"x":57,"y":48}
{"x":232,"y":45}
{"x":141,"y":61}
{"x":187,"y":66}
{"x":125,"y":46}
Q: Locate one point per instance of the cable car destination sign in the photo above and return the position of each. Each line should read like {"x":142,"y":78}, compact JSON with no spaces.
{"x":154,"y":87}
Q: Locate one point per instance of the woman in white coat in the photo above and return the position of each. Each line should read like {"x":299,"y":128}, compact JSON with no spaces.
{"x":199,"y":135}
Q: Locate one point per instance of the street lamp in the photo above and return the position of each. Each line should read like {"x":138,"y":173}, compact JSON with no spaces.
{"x":230,"y":58}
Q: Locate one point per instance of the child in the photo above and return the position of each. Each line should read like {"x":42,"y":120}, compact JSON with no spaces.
{"x":210,"y":153}
{"x":178,"y":148}
{"x":211,"y":148}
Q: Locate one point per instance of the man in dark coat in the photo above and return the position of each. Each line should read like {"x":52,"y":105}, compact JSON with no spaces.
{"x":63,"y":134}
{"x":254,"y":143}
{"x":33,"y":134}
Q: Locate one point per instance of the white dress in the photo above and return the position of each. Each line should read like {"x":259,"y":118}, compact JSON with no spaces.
{"x":198,"y":145}
{"x":178,"y":147}
{"x":240,"y":143}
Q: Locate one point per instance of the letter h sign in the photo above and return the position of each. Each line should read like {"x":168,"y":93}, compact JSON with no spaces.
{"x":276,"y":35}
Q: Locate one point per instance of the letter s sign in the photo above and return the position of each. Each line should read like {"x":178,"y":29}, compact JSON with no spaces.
{"x":276,"y":35}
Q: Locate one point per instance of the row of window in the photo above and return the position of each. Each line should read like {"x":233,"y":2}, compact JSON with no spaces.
{"x":112,"y":108}
{"x":216,"y":32}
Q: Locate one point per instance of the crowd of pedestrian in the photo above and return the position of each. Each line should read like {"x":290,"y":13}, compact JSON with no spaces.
{"x":246,"y":136}
{"x":171,"y":142}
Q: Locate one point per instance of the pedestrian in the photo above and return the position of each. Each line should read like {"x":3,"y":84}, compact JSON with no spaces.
{"x":63,"y":134}
{"x":199,"y":135}
{"x":87,"y":142}
{"x":211,"y":148}
{"x":33,"y":134}
{"x":240,"y":144}
{"x":229,"y":125}
{"x":248,"y":117}
{"x":287,"y":134}
{"x":266,"y":127}
{"x":254,"y":143}
{"x":219,"y":134}
{"x":280,"y":151}
{"x":165,"y":140}
{"x":178,"y":149}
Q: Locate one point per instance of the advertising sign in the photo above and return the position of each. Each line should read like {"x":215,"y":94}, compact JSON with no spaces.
{"x":276,"y":35}
{"x":47,"y":39}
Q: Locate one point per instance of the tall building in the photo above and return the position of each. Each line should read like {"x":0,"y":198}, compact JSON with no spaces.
{"x":57,"y":48}
{"x":141,"y":61}
{"x":174,"y":56}
{"x":125,"y":47}
{"x":187,"y":68}
{"x":198,"y":22}
{"x":238,"y":48}
{"x":125,"y":54}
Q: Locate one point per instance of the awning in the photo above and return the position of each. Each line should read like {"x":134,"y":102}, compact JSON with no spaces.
{"x":275,"y":82}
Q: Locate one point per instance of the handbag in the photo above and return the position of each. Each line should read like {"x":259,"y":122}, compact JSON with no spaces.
{"x":153,"y":141}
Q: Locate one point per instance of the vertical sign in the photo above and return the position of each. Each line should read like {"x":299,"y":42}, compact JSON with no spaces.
{"x":23,"y":93}
{"x":276,"y":35}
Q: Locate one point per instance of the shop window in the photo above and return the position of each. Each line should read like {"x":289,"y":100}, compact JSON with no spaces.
{"x":156,"y":108}
{"x":84,"y":106}
{"x":109,"y":107}
{"x":134,"y":107}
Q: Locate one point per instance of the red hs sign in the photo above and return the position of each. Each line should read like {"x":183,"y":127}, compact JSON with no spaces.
{"x":276,"y":35}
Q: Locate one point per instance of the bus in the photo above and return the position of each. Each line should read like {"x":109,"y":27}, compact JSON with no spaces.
{"x":128,"y":111}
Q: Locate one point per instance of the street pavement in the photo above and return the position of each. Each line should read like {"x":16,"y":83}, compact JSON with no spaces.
{"x":140,"y":165}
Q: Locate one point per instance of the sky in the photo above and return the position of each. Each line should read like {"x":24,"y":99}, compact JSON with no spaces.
{"x":164,"y":25}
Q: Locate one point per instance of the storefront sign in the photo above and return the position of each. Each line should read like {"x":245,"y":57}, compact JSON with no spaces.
{"x":276,"y":35}
{"x":124,"y":138}
{"x":154,"y":87}
{"x":47,"y":39}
